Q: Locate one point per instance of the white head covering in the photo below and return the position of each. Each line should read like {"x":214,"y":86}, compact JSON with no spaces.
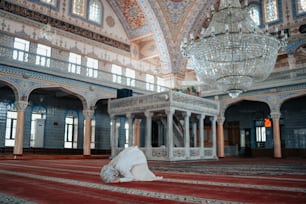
{"x":109,"y":173}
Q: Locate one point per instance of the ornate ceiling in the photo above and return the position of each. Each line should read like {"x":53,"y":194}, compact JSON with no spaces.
{"x":161,"y":24}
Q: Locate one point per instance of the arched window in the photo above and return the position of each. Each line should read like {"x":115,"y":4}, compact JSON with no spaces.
{"x":270,"y":10}
{"x":254,"y":14}
{"x":78,"y":7}
{"x":95,"y":11}
{"x":301,"y":6}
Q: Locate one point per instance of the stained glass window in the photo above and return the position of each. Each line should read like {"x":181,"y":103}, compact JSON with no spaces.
{"x":254,"y":14}
{"x":271,"y":10}
{"x":301,"y":6}
{"x":95,"y":11}
{"x":78,"y":7}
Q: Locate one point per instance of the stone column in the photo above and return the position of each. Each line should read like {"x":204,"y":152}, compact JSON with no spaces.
{"x":113,"y":138}
{"x":21,"y":107}
{"x":170,"y":133}
{"x":194,"y":132}
{"x":214,"y":136}
{"x":201,"y":130}
{"x":148,"y":129}
{"x":187,"y":134}
{"x":87,"y":137}
{"x":220,"y":135}
{"x":148,"y":143}
{"x":130,"y":118}
{"x":276,"y":134}
{"x":137,"y":132}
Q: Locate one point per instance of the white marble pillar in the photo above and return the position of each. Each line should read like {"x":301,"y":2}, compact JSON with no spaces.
{"x":148,"y":129}
{"x":21,"y":107}
{"x":214,"y":135}
{"x":187,"y":134}
{"x":130,"y":118}
{"x":194,"y":133}
{"x":276,"y":135}
{"x":87,"y":137}
{"x":113,"y":138}
{"x":170,"y":132}
{"x":201,"y":130}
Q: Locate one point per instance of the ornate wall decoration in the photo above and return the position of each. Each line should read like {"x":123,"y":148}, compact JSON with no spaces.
{"x":42,"y":18}
{"x":110,"y":21}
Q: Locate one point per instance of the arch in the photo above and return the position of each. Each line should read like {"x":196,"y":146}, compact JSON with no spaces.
{"x":14,"y":87}
{"x":243,"y":127}
{"x":293,"y":126}
{"x":82,"y":98}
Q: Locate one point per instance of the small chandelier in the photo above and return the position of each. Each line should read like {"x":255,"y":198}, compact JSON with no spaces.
{"x":232,"y":53}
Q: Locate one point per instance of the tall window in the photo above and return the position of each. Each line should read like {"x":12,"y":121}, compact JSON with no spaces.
{"x":130,"y":77}
{"x":92,"y":68}
{"x":95,"y":11}
{"x":71,"y":130}
{"x":11,"y":124}
{"x":271,"y":10}
{"x":149,"y":82}
{"x":78,"y":7}
{"x":116,"y":72}
{"x":254,"y":14}
{"x":261,"y":136}
{"x":43,"y":55}
{"x":74,"y":63}
{"x":301,"y":6}
{"x":21,"y":49}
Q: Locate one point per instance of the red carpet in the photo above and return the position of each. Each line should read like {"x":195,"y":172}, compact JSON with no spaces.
{"x":78,"y":181}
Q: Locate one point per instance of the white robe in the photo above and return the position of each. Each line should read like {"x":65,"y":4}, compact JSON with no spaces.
{"x":132,"y":166}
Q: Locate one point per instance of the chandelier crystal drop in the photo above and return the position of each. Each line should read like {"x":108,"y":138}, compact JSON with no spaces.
{"x":232,"y":53}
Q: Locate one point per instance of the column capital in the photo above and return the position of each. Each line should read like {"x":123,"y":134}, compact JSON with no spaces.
{"x":201,"y":116}
{"x":170,"y":111}
{"x":187,"y":114}
{"x":275,"y":115}
{"x":21,"y":105}
{"x":220,"y":119}
{"x":213,"y":118}
{"x":148,"y":114}
{"x":88,"y":113}
{"x":130,"y":115}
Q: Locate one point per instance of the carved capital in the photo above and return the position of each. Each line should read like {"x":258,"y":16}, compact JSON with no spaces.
{"x":88,"y":113}
{"x":21,"y":105}
{"x":275,"y":115}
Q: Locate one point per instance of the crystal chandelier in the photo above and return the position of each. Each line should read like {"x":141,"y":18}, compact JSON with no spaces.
{"x":232,"y":53}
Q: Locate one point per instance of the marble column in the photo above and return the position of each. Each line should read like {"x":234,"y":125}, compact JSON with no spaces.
{"x":130,"y":118}
{"x":170,"y":132}
{"x":194,"y":133}
{"x":113,"y":138}
{"x":148,"y":142}
{"x":187,"y":134}
{"x":292,"y":64}
{"x":214,"y":135}
{"x":87,"y":137}
{"x":201,"y":130}
{"x":276,"y":134}
{"x":21,"y":107}
{"x":220,"y":135}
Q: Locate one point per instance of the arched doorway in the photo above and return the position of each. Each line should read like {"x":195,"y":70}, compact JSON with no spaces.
{"x":246,"y":129}
{"x":293,"y":127}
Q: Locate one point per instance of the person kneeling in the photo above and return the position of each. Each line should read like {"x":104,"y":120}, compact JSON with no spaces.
{"x":129,"y":165}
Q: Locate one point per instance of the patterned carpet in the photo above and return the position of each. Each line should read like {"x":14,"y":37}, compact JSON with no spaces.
{"x":229,"y":180}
